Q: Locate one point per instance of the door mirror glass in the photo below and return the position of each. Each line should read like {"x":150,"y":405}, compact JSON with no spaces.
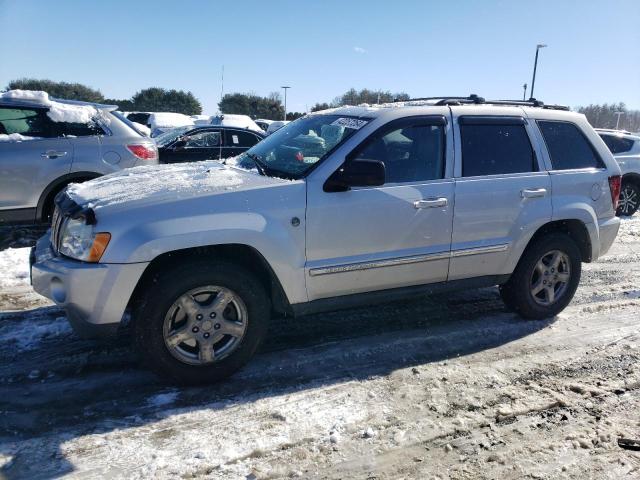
{"x":180,"y":144}
{"x":357,"y":173}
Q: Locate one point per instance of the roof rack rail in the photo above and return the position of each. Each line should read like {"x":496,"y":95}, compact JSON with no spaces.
{"x":477,"y":100}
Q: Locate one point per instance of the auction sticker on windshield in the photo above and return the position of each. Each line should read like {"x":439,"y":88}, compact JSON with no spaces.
{"x":353,"y":123}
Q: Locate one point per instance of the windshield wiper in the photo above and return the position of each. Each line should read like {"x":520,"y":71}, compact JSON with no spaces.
{"x":259,"y":163}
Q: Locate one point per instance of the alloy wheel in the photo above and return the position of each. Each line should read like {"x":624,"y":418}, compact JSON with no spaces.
{"x":550,"y":278}
{"x":205,"y":325}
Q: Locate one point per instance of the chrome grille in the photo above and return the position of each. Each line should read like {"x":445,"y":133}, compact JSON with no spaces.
{"x":56,"y":224}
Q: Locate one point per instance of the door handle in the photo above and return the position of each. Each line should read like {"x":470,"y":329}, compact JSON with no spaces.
{"x":52,"y":154}
{"x":533,"y":193}
{"x":431,"y":203}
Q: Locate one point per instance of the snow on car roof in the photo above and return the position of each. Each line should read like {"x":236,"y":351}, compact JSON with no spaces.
{"x":71,"y":111}
{"x":168,"y":120}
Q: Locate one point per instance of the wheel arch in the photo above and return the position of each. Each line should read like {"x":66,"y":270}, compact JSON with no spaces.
{"x":240,"y":254}
{"x":632,"y":177}
{"x":574,"y":228}
{"x":56,"y":186}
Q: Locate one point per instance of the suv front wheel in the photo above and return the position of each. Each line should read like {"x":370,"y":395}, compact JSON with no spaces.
{"x":199,"y":322}
{"x":545,"y":279}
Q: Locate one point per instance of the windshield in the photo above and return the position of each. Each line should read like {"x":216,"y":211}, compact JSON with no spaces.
{"x":296,"y":147}
{"x":167,"y":137}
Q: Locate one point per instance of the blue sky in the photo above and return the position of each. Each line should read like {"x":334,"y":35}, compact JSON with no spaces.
{"x":322,"y":48}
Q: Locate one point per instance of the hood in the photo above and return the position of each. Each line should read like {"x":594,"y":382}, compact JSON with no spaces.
{"x":156,"y":184}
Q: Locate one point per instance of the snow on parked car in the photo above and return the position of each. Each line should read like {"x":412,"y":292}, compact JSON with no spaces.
{"x":161,"y":122}
{"x":238,"y":121}
{"x":275,"y":126}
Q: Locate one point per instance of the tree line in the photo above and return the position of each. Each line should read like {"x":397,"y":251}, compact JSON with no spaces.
{"x":152,"y":99}
{"x":156,"y":99}
{"x":605,"y":116}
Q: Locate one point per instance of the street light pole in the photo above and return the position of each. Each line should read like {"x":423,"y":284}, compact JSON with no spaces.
{"x":535,"y":66}
{"x":524,"y":95}
{"x":618,"y":120}
{"x":285,"y":102}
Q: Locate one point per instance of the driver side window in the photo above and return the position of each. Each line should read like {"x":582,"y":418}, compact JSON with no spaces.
{"x":410,"y":153}
{"x":203,"y":140}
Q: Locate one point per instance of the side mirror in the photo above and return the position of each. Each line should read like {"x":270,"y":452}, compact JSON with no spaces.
{"x":356,"y":173}
{"x":180,"y":144}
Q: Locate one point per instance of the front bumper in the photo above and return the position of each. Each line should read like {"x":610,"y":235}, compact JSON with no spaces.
{"x":94,"y":295}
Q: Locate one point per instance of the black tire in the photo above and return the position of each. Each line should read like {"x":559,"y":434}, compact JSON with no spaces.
{"x":629,"y":199}
{"x":517,"y":292}
{"x":166,"y":287}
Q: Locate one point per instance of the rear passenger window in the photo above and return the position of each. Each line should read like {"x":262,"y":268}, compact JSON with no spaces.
{"x":617,"y":144}
{"x":30,"y":122}
{"x":494,"y":149}
{"x":79,"y":129}
{"x":237,"y":138}
{"x":411,"y":153}
{"x":568,"y":147}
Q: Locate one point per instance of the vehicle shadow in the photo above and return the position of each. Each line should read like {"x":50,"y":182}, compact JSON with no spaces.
{"x":86,"y":388}
{"x":17,"y":236}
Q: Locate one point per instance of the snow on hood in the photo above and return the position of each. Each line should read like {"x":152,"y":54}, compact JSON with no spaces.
{"x":161,"y":182}
{"x":58,"y":111}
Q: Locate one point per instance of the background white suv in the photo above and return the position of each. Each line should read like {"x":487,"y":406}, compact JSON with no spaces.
{"x":625,"y":147}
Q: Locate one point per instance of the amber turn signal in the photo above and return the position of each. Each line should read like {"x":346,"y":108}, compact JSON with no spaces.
{"x":100,"y":243}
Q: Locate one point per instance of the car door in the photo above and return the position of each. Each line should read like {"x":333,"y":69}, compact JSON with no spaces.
{"x":195,"y":146}
{"x":502,"y":192}
{"x":237,"y":141}
{"x":394,"y":235}
{"x":31,"y":157}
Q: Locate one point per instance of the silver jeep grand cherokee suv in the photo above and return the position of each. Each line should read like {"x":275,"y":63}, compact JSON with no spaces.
{"x":46,"y":144}
{"x":340,"y":208}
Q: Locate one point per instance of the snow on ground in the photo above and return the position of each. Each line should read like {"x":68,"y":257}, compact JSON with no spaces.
{"x":451,"y":386}
{"x":15,"y":267}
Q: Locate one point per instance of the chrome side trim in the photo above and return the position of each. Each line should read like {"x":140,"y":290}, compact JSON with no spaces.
{"x":392,"y":262}
{"x":479,"y":250}
{"x":350,"y":267}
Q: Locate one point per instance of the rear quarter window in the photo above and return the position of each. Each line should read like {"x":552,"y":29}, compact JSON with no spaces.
{"x":617,"y":144}
{"x":568,"y":147}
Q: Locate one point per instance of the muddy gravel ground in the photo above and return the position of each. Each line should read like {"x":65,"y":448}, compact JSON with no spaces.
{"x":450,"y":386}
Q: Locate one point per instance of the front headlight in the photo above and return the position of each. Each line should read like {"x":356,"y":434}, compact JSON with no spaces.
{"x":78,"y":240}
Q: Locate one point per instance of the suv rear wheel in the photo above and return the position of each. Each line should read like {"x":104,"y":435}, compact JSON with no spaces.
{"x":545,"y":279}
{"x":629,"y":199}
{"x":199,"y":323}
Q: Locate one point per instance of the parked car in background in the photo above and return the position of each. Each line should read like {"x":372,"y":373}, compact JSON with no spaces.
{"x":204,"y":254}
{"x":239,"y":121}
{"x":47,"y":143}
{"x":276,"y":125}
{"x":138,"y":117}
{"x":190,"y":144}
{"x":263,"y":123}
{"x":625,"y":147}
{"x":160,"y":122}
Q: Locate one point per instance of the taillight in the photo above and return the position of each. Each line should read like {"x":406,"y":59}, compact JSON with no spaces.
{"x":144,"y":152}
{"x":615,"y":183}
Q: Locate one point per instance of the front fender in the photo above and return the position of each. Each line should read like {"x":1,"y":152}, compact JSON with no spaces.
{"x":270,"y":232}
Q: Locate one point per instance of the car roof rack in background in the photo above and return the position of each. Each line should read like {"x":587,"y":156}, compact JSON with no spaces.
{"x":474,"y":99}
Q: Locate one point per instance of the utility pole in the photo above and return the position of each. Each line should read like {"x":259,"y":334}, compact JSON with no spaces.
{"x":618,"y":119}
{"x":535,"y":66}
{"x":285,"y":102}
{"x":222,"y":87}
{"x":524,"y":95}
